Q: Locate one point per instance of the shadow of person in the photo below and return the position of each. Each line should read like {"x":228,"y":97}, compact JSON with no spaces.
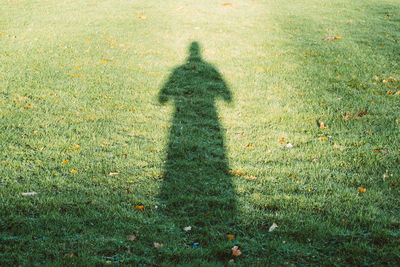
{"x":197,"y":189}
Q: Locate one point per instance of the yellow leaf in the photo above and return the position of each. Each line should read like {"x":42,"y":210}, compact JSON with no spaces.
{"x":250,"y":145}
{"x":282,"y":140}
{"x":362,"y":190}
{"x":65,"y":161}
{"x":230,"y":236}
{"x":76,"y":147}
{"x":104,"y":60}
{"x":30,"y":106}
{"x":74,"y":171}
{"x":139,"y":207}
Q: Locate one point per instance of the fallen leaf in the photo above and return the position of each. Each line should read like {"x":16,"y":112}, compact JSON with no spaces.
{"x":368,"y":132}
{"x":29,"y":194}
{"x":230,"y":236}
{"x":30,"y":106}
{"x":104,"y":60}
{"x":236,"y":252}
{"x":282,"y":140}
{"x":362,"y":113}
{"x":158,"y":245}
{"x":293,"y":175}
{"x":250,"y":145}
{"x":113,"y":173}
{"x":272,"y":227}
{"x":226,"y":4}
{"x":74,"y":171}
{"x":362,"y":190}
{"x":240,"y":135}
{"x":389,"y":92}
{"x":76,"y":147}
{"x":347,"y":116}
{"x":397,"y":93}
{"x":239,"y":173}
{"x":142,"y":17}
{"x":65,"y":161}
{"x":331,"y":38}
{"x":322,"y":125}
{"x":250,"y":177}
{"x":323,"y":138}
{"x":381,"y":151}
{"x":187,"y":228}
{"x":139,"y":207}
{"x":131,"y":237}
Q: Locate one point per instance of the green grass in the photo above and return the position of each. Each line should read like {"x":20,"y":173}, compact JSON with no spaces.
{"x":187,"y":136}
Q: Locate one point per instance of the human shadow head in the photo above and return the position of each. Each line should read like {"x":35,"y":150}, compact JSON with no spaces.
{"x":194,"y":52}
{"x":195,"y":80}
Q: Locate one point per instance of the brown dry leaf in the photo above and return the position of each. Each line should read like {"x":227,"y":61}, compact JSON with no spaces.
{"x":131,"y":237}
{"x":341,"y":148}
{"x":397,"y":93}
{"x":158,"y":245}
{"x":240,"y":135}
{"x":293,"y":175}
{"x":362,"y":113}
{"x":347,"y":116}
{"x":236,"y":252}
{"x":389,"y":92}
{"x":368,"y":132}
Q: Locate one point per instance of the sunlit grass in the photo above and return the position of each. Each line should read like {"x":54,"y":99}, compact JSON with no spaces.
{"x":78,"y":91}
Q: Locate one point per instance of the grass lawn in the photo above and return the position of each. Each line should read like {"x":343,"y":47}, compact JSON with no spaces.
{"x":171,"y":132}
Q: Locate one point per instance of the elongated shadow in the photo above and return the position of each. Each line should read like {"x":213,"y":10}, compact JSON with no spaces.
{"x":197,"y":189}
